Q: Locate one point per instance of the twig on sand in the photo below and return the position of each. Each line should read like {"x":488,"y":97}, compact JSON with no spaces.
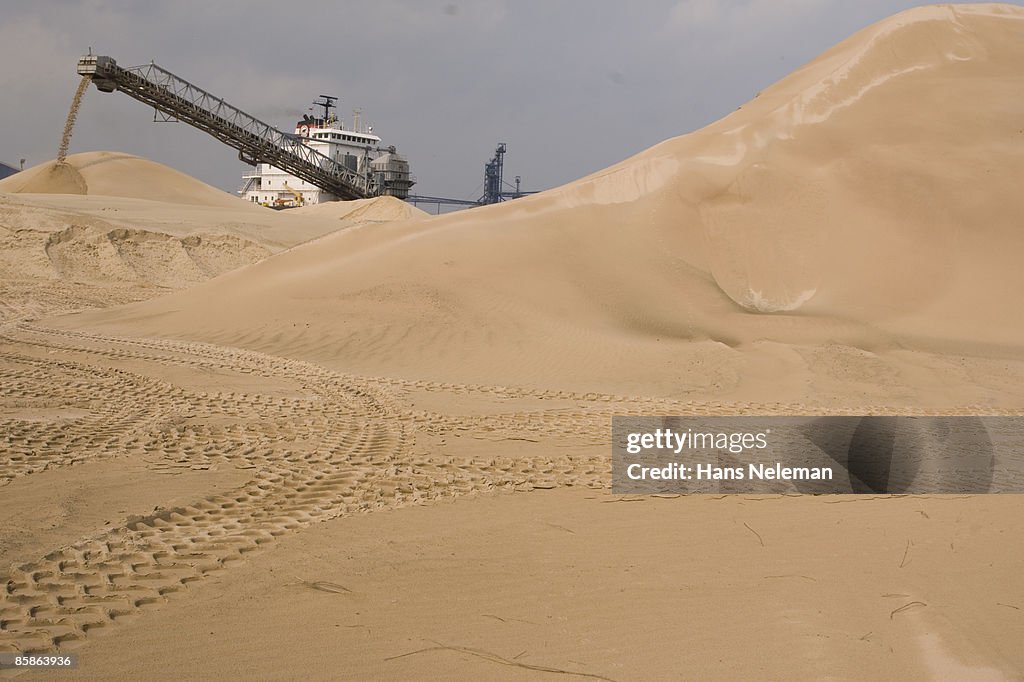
{"x":495,"y":658}
{"x":505,"y":620}
{"x":555,"y":525}
{"x":905,"y":607}
{"x":759,"y":538}
{"x":903,"y":561}
{"x":323,"y":586}
{"x":1009,"y":606}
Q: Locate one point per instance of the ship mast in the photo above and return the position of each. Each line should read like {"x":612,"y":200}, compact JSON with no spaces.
{"x":327,"y":102}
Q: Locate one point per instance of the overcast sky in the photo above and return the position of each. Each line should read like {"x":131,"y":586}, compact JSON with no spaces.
{"x":572,"y":86}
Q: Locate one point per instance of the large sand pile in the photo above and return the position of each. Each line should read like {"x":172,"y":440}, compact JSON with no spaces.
{"x":117,"y":175}
{"x":363,"y":211}
{"x":848,"y":235}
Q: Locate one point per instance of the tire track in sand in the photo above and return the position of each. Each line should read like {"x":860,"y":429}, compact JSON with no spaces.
{"x":314,"y":458}
{"x":344,"y":447}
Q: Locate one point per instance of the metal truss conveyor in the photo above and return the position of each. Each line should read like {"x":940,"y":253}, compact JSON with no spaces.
{"x":256,"y":141}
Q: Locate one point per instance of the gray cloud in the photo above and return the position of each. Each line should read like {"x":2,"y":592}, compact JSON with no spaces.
{"x":571,"y":86}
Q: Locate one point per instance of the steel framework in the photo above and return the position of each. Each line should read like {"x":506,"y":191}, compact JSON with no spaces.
{"x":256,"y":141}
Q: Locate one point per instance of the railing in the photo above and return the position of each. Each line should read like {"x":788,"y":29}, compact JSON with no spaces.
{"x":250,"y":181}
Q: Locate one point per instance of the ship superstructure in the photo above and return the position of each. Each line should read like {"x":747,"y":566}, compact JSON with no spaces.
{"x":355,"y":147}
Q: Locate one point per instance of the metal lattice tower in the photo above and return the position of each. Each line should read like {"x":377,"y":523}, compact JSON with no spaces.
{"x":493,"y":180}
{"x":256,"y":141}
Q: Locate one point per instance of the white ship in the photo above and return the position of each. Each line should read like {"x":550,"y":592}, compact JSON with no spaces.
{"x":356,"y":147}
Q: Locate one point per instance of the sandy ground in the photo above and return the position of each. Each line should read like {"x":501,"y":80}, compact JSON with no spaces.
{"x":356,"y":442}
{"x":486,"y":586}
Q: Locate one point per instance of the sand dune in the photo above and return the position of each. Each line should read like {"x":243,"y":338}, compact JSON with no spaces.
{"x":858,"y":218}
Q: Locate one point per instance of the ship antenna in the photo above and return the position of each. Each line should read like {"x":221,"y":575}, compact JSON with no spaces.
{"x":327,"y":102}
